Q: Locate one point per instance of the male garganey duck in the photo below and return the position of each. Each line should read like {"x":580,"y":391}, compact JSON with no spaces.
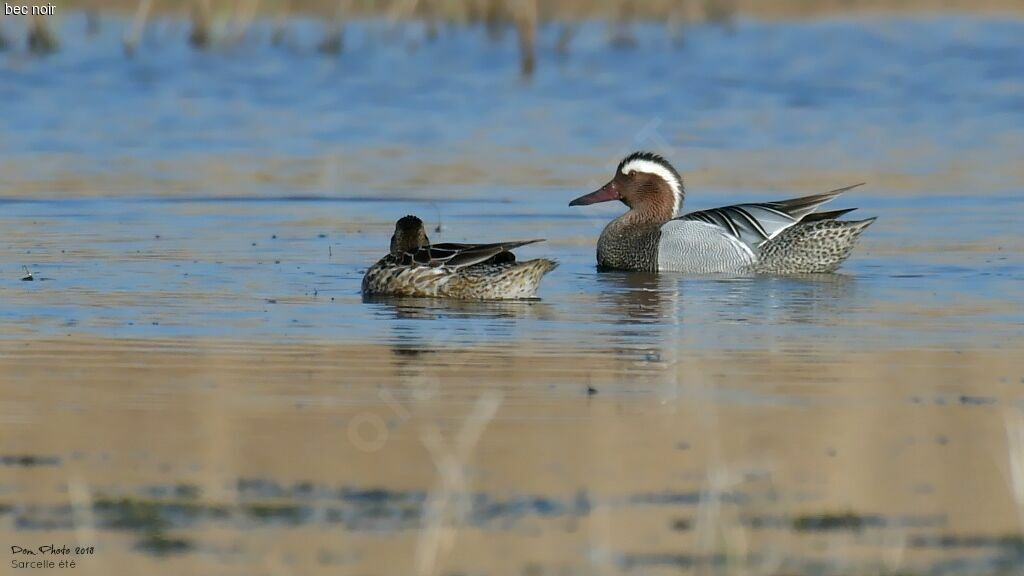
{"x":784,"y":237}
{"x":417,"y":268}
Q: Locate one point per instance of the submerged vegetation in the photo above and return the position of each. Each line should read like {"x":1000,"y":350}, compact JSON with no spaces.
{"x":28,"y":460}
{"x":160,"y":518}
{"x":833,"y":521}
{"x":152,"y":519}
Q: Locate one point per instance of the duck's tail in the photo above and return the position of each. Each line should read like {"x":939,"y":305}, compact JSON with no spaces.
{"x":810,"y":247}
{"x":508,"y":281}
{"x":522,"y":279}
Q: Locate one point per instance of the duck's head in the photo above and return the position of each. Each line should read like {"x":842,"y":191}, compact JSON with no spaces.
{"x":409,"y":235}
{"x":643,"y":181}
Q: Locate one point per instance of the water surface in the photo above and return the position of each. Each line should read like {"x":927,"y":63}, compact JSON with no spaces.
{"x":193,"y":383}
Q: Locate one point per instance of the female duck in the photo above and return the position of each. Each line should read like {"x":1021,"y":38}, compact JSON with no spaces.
{"x":783,"y":237}
{"x":417,"y":268}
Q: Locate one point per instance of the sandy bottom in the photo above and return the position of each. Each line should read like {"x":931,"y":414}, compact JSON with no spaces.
{"x":375,"y":460}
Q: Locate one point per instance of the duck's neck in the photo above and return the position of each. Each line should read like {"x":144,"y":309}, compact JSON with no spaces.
{"x":651,"y":213}
{"x":630,"y":242}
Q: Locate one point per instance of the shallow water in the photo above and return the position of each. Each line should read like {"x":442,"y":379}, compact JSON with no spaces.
{"x":192,"y":380}
{"x":279,"y":268}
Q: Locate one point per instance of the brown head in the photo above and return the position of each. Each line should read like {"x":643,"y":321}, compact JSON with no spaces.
{"x":645,"y":182}
{"x":409,"y":235}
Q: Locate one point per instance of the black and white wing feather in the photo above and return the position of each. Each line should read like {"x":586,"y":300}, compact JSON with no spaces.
{"x":451,"y":255}
{"x":753,"y":224}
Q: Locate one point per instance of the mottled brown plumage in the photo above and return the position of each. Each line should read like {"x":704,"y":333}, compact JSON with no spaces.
{"x":417,"y":268}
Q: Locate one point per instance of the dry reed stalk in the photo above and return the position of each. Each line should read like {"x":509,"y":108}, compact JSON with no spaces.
{"x":622,"y":27}
{"x":200,"y":36}
{"x":676,"y":19}
{"x":134,"y":34}
{"x":474,"y":11}
{"x":215,"y":412}
{"x":526,"y":22}
{"x":334,"y":41}
{"x":565,"y":35}
{"x":894,"y":548}
{"x":495,"y":18}
{"x":245,"y":14}
{"x":716,"y":538}
{"x":40,"y":38}
{"x":5,"y":42}
{"x":402,"y":10}
{"x":448,"y":503}
{"x":82,"y":518}
{"x":1014,"y":424}
{"x":721,"y":12}
{"x":462,"y":13}
{"x":712,"y":534}
{"x":430,"y":14}
{"x":280,"y":23}
{"x":92,"y":22}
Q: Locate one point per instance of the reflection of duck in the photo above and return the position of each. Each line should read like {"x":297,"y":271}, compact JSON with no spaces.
{"x":464,"y":323}
{"x":417,"y":268}
{"x":432,"y":309}
{"x":783,"y":237}
{"x":657,"y":299}
{"x":638,"y":297}
{"x":821,"y":299}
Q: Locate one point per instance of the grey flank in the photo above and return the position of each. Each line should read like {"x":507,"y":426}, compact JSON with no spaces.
{"x":783,"y":237}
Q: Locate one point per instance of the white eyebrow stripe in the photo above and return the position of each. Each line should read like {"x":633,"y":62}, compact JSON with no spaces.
{"x":664,"y":173}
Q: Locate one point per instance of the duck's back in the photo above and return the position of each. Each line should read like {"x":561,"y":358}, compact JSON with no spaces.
{"x":497,"y":279}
